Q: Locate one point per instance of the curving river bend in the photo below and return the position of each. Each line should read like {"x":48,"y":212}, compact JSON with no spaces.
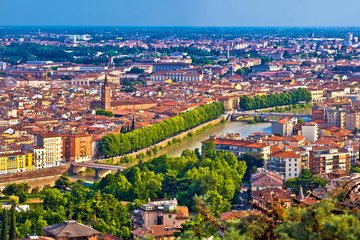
{"x":175,"y":150}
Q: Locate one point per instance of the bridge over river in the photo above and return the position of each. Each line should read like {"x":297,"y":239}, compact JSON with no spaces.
{"x":263,"y":115}
{"x":101,"y":170}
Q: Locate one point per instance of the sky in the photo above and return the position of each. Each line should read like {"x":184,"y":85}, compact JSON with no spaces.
{"x":180,"y":12}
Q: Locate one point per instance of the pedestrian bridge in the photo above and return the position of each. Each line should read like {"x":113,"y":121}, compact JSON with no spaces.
{"x":101,"y":170}
{"x":263,"y":115}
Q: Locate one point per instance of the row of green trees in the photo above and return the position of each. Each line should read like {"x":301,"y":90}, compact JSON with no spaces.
{"x":272,"y":100}
{"x":114,"y":145}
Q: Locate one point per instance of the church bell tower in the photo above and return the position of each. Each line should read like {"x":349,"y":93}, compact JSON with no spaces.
{"x":106,"y":95}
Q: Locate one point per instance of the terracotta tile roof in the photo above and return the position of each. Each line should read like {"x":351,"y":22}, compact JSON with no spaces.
{"x":182,"y":212}
{"x":266,"y":178}
{"x":285,"y":154}
{"x":266,"y":193}
{"x":71,"y":229}
{"x":155,"y":231}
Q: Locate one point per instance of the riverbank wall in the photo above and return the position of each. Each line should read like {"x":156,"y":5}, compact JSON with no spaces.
{"x":33,"y":174}
{"x":164,"y":143}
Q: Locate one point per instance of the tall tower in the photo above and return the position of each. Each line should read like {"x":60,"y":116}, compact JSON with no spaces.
{"x":111,"y":62}
{"x":106,"y":95}
{"x":228,"y":52}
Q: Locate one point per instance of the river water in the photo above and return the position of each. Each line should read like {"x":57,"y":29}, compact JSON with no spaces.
{"x":175,"y":150}
{"x":230,"y":127}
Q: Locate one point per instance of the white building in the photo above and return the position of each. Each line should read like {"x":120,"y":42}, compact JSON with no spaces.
{"x":178,"y":76}
{"x":286,"y":163}
{"x":310,"y":131}
{"x":53,"y":145}
{"x":2,"y":65}
{"x":39,"y":154}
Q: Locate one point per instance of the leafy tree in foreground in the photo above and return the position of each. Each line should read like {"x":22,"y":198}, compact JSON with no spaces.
{"x":306,"y":180}
{"x":252,"y":160}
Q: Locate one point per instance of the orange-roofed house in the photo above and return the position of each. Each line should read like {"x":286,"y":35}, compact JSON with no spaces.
{"x":286,"y":163}
{"x":266,"y":179}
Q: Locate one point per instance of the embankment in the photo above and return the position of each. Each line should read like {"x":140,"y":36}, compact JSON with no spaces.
{"x":164,"y":143}
{"x":39,"y":173}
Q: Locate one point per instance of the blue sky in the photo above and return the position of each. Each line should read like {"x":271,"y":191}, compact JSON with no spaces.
{"x":181,"y":12}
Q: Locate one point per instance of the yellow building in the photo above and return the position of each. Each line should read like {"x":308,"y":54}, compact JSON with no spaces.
{"x":16,"y":162}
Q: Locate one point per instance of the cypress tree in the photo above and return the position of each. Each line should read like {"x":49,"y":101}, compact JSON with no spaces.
{"x":128,"y":128}
{"x":12,"y":230}
{"x":4,"y":226}
{"x":133,"y":124}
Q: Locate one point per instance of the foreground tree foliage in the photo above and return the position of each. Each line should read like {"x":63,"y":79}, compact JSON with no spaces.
{"x":306,"y":180}
{"x":114,"y":145}
{"x":102,"y":211}
{"x":334,"y":218}
{"x":272,"y":100}
{"x":215,"y":175}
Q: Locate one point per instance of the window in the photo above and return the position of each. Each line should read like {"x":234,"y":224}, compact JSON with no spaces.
{"x":289,"y":174}
{"x":170,"y":215}
{"x":289,"y":169}
{"x":295,"y":169}
{"x":289,"y":164}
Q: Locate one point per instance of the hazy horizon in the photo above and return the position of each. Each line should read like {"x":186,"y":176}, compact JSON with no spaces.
{"x":199,"y":13}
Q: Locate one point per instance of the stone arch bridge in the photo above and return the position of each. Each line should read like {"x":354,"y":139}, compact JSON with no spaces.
{"x":101,"y":170}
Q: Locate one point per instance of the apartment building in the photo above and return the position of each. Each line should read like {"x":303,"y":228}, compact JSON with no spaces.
{"x":240,"y":147}
{"x":286,"y":163}
{"x":39,"y":154}
{"x":325,"y":159}
{"x":310,"y":131}
{"x":16,"y":162}
{"x":163,"y":212}
{"x":316,"y":95}
{"x":352,"y":119}
{"x":284,"y":126}
{"x":77,"y":148}
{"x":53,"y":145}
{"x":335,"y":116}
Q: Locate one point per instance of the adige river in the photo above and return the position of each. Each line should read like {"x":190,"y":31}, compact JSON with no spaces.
{"x":175,"y":150}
